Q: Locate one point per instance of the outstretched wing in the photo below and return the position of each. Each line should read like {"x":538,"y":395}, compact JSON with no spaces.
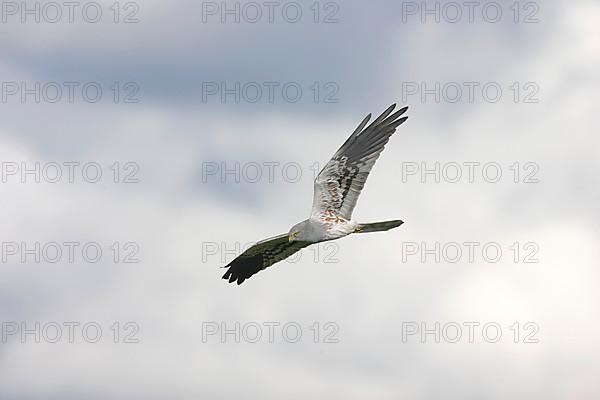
{"x":260,"y":256}
{"x":339,"y":183}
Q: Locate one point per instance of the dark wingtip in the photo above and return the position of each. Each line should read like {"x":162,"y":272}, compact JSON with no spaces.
{"x":400,"y":121}
{"x":229,"y":276}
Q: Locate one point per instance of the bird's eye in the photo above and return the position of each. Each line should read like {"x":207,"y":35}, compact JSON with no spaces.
{"x":295,"y":234}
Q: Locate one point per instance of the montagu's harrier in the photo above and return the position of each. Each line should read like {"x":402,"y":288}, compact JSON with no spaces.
{"x":337,"y":188}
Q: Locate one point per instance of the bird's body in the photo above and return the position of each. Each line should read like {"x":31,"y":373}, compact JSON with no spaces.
{"x":322,"y":229}
{"x":338,"y":229}
{"x":336,"y":192}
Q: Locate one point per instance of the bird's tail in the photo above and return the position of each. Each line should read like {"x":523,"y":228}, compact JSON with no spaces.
{"x":378,"y":226}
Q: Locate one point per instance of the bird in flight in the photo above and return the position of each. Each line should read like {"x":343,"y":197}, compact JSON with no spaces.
{"x":336,"y":191}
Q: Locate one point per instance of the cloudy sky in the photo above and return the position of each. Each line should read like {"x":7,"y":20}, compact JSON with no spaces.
{"x":144,"y":144}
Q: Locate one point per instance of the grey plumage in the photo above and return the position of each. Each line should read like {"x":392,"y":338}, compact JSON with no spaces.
{"x":341,"y":180}
{"x":336,"y":191}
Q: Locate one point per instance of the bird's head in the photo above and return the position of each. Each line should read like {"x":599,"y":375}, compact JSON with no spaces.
{"x":298,"y":232}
